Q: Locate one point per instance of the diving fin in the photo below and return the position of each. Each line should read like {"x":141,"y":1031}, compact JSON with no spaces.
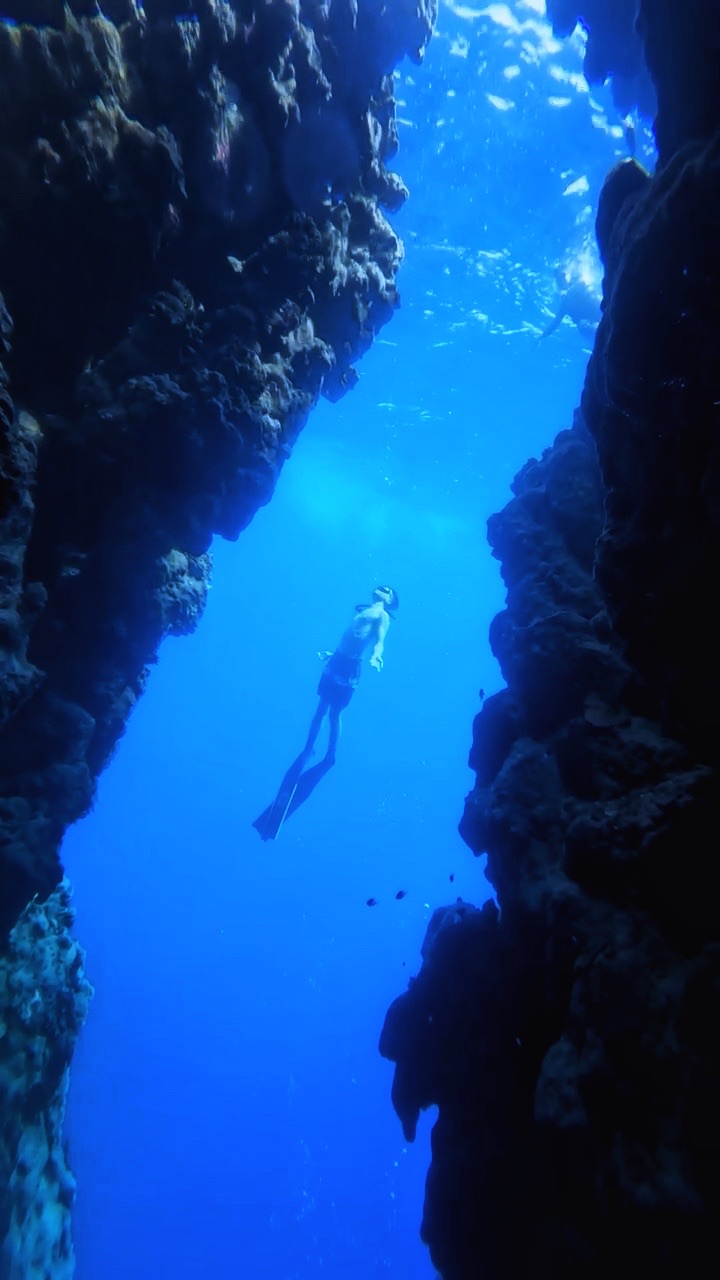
{"x":269,"y":823}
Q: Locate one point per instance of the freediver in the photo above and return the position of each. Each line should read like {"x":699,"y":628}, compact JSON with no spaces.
{"x":338,"y":683}
{"x":578,"y":301}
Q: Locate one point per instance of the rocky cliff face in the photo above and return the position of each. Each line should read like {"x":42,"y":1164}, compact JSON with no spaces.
{"x":193,"y":249}
{"x":568,"y":1036}
{"x":43,"y":1001}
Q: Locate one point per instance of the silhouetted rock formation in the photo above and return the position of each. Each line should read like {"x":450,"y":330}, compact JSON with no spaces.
{"x":192,"y":251}
{"x":652,"y":399}
{"x":570,"y":1040}
{"x":682,"y":50}
{"x":557,"y":1051}
{"x":614,"y":50}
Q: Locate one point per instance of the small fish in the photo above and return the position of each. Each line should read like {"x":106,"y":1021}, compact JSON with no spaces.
{"x":371,"y":902}
{"x":401,"y":893}
{"x":481,"y":695}
{"x":451,"y":876}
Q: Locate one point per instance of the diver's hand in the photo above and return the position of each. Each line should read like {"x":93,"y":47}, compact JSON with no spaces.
{"x":376,"y":662}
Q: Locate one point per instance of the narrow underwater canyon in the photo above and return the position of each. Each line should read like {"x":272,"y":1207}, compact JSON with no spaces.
{"x":180,"y":285}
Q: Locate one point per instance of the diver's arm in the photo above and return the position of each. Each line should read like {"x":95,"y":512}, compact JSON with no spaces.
{"x":554,"y":324}
{"x":376,"y":658}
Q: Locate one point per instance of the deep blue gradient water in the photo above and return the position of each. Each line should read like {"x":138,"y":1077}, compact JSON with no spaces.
{"x":229,"y":1113}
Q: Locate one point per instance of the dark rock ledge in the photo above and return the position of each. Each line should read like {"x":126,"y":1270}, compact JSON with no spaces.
{"x":193,"y":248}
{"x":569,"y":1035}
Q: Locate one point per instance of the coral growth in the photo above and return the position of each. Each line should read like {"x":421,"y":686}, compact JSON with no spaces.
{"x":193,"y":249}
{"x":43,"y":1001}
{"x":568,"y":1041}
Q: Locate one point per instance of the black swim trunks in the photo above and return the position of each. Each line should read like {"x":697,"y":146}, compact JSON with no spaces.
{"x":338,"y":681}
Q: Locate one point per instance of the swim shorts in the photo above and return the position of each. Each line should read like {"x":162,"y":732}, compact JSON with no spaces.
{"x":339,"y":680}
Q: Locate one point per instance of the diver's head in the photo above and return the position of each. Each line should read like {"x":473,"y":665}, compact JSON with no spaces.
{"x":389,"y":597}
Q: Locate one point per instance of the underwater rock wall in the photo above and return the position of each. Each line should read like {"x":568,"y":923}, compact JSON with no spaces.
{"x":193,"y":248}
{"x":569,"y":1039}
{"x":652,"y":394}
{"x":614,"y":49}
{"x":43,"y":1001}
{"x":561,"y":1038}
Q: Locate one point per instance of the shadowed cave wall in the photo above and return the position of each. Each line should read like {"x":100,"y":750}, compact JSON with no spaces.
{"x":568,"y":1034}
{"x":193,"y":248}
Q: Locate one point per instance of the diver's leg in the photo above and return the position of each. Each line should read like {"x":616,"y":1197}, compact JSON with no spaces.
{"x":297,"y":786}
{"x":270,"y":821}
{"x":308,"y":782}
{"x":553,"y":325}
{"x":335,"y":716}
{"x":315,"y":725}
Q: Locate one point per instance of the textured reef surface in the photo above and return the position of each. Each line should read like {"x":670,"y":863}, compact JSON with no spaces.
{"x":193,"y":249}
{"x":43,"y":1001}
{"x":568,"y":1034}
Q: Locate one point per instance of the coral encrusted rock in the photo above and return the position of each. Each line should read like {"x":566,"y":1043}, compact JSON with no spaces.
{"x":194,"y":248}
{"x":566,"y":1040}
{"x":569,"y":1039}
{"x":43,"y":1001}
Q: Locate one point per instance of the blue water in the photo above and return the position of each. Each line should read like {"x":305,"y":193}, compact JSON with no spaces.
{"x":229,"y":1114}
